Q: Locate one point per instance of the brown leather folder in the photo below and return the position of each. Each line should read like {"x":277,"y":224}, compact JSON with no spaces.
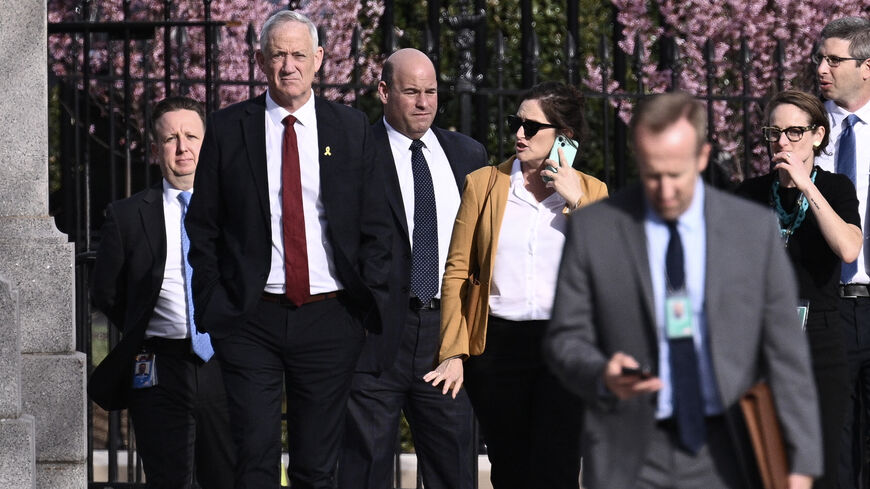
{"x":762,"y":425}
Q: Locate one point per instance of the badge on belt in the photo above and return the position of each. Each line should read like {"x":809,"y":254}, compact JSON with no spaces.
{"x":144,"y":371}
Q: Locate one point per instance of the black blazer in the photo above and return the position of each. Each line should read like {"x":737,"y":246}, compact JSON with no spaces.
{"x":229,"y":220}
{"x":465,"y":155}
{"x":125,"y":285}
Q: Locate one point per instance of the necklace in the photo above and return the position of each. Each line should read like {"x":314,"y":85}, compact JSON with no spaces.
{"x":789,"y":222}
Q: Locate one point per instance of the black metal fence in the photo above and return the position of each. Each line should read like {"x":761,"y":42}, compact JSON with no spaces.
{"x":99,"y":135}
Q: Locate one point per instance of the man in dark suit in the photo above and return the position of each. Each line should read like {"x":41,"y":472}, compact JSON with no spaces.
{"x":176,"y":399}
{"x":290,"y":249}
{"x":692,"y":287}
{"x":419,"y":160}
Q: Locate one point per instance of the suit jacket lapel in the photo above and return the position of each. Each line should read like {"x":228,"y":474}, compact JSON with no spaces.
{"x":254,"y":134}
{"x":717,"y":240}
{"x":454,"y":157}
{"x":154,"y":227}
{"x":634,"y":237}
{"x":394,"y":191}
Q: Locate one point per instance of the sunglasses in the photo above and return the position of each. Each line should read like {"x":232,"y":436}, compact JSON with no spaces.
{"x":793,"y":133}
{"x":530,"y":127}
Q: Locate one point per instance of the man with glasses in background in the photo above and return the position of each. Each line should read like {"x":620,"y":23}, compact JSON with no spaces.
{"x":843,"y":68}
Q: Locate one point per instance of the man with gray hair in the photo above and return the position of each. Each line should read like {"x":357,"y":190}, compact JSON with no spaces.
{"x":290,"y":239}
{"x":843,"y":69}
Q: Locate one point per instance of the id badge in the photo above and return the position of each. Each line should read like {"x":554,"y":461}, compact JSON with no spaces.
{"x":678,"y":316}
{"x":144,"y":371}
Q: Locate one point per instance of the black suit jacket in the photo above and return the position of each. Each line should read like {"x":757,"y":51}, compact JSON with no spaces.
{"x":125,"y":285}
{"x":229,"y":219}
{"x":465,"y":155}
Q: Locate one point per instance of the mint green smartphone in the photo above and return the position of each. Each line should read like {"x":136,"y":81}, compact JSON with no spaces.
{"x":569,"y":148}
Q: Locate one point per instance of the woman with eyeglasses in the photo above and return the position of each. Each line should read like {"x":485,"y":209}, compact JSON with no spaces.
{"x":514,"y":237}
{"x":820,"y":226}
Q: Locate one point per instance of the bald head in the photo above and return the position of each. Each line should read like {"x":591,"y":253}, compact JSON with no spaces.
{"x":409,"y":91}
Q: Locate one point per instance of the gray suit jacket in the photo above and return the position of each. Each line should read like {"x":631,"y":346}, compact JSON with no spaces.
{"x":604,"y":304}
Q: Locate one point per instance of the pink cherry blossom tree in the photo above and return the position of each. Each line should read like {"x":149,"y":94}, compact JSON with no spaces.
{"x":337,"y":19}
{"x":727,"y":24}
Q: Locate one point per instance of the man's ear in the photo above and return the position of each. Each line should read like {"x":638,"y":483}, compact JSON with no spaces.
{"x":383,"y":91}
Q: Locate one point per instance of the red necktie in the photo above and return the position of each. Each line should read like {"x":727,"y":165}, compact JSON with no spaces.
{"x":293,"y":219}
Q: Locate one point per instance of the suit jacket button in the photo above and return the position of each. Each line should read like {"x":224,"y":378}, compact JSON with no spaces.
{"x":406,"y":289}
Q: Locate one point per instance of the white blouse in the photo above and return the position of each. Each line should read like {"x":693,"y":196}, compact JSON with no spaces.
{"x":528,"y":253}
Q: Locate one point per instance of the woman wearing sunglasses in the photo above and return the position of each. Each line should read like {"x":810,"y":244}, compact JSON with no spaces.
{"x":819,"y":222}
{"x":514,"y":237}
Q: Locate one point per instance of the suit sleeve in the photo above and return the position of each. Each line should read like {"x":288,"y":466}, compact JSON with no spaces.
{"x":375,"y":228}
{"x":787,"y":363}
{"x":107,"y":280}
{"x":570,"y":339}
{"x":203,"y":224}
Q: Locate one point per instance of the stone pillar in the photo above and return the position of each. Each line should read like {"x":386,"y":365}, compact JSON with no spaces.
{"x":42,"y":377}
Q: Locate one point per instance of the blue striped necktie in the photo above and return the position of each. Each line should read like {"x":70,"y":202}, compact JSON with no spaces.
{"x":200,"y":342}
{"x":846,"y":165}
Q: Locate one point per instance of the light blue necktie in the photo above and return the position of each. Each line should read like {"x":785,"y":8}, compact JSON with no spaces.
{"x":846,"y":165}
{"x":200,"y":342}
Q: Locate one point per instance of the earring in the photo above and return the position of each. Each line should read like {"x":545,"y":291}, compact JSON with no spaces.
{"x":817,"y":144}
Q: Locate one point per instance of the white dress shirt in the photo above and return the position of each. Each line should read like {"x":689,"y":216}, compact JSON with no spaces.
{"x":443,"y":182}
{"x":528,"y":253}
{"x":169,"y":319}
{"x":837,"y":117}
{"x":321,"y":270}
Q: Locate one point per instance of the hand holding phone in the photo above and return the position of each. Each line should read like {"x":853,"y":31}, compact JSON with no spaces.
{"x":569,"y":149}
{"x":643,"y":372}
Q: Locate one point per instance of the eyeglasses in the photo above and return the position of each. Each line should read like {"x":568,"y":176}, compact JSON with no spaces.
{"x":833,"y":61}
{"x":530,"y":127}
{"x":793,"y":133}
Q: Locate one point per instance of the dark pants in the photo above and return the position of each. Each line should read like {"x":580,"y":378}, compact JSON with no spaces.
{"x":530,"y":423}
{"x":182,"y":423}
{"x":831,"y":373}
{"x":441,"y":426}
{"x":856,"y":333}
{"x":311,"y":352}
{"x":669,"y":467}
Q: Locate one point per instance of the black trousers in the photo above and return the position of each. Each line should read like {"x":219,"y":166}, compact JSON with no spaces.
{"x":441,"y":426}
{"x":530,"y":423}
{"x":856,"y":334}
{"x":182,"y":423}
{"x":308,"y":352}
{"x":831,"y":373}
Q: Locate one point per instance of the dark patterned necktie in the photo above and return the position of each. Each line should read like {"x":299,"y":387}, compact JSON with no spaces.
{"x":846,"y":165}
{"x":424,"y":253}
{"x":685,"y":380}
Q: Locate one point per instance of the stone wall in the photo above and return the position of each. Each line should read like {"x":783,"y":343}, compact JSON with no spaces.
{"x":42,"y":377}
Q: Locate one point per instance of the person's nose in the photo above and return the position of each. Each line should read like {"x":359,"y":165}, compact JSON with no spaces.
{"x":823,"y":67}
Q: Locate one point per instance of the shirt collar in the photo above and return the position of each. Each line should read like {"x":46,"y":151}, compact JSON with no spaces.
{"x":693,"y":218}
{"x":399,"y":140}
{"x":170,"y":193}
{"x":519,"y":189}
{"x":305,"y":115}
{"x":838,"y":113}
